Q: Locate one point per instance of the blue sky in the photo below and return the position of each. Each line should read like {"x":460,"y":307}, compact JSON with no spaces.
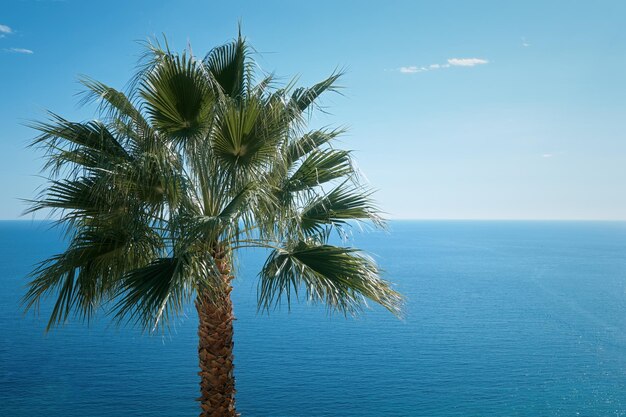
{"x":456,"y":109}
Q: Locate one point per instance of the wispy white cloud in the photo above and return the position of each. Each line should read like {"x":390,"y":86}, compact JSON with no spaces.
{"x":467,"y":62}
{"x":5,"y":30}
{"x":553,"y":154}
{"x":18,"y":51}
{"x":452,"y":62}
{"x":525,"y":43}
{"x":409,"y":70}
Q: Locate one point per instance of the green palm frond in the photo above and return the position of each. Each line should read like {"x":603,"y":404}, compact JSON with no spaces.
{"x":302,"y":98}
{"x":153,"y":53}
{"x":209,"y":228}
{"x":79,"y":197}
{"x":83,"y":144}
{"x":88,"y":271}
{"x":112,"y":103}
{"x":339,"y":277}
{"x":341,"y":205}
{"x":310,"y":142}
{"x":248,"y":134}
{"x":178,"y":97}
{"x":123,"y":118}
{"x":231,"y":67}
{"x":318,"y":168}
{"x":149,"y":296}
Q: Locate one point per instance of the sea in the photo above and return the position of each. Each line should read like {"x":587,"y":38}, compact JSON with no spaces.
{"x":502,"y":318}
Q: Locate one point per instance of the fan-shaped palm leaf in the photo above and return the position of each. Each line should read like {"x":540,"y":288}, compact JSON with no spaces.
{"x":339,"y":277}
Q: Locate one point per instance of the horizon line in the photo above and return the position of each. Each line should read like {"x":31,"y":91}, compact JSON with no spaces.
{"x":422,"y":219}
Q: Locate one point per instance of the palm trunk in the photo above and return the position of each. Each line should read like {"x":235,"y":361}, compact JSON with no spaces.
{"x":215,"y":349}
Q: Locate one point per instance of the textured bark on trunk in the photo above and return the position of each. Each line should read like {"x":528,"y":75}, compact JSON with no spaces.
{"x":215,"y":349}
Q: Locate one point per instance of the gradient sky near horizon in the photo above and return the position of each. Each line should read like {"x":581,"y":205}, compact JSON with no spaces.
{"x":456,"y":109}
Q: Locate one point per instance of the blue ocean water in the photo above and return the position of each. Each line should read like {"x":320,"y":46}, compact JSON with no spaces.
{"x":502,"y":319}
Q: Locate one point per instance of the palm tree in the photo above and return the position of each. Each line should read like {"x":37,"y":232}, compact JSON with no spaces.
{"x":196,"y":161}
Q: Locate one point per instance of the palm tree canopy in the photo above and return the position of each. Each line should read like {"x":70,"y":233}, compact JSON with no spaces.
{"x":199,"y":158}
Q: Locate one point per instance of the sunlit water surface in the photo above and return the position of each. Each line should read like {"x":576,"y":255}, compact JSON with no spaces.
{"x":502,"y":319}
